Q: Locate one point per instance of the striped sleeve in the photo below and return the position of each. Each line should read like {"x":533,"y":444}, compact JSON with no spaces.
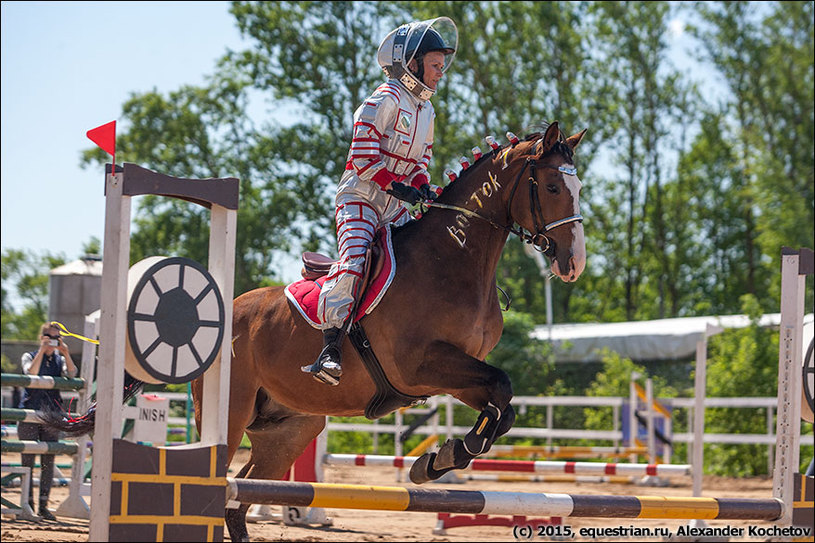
{"x":375,"y":115}
{"x":420,"y":173}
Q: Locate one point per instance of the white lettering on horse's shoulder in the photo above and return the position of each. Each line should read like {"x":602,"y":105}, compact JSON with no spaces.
{"x":458,"y":234}
{"x":487,"y":189}
{"x":504,"y":158}
{"x":490,"y":187}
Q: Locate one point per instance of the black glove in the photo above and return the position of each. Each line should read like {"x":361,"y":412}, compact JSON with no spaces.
{"x":426,"y":193}
{"x":405,"y":193}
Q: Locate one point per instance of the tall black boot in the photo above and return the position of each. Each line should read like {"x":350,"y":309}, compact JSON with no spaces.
{"x":328,"y":367}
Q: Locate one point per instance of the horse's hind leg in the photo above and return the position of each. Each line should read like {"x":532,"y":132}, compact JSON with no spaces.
{"x":277,"y":440}
{"x":236,"y":517}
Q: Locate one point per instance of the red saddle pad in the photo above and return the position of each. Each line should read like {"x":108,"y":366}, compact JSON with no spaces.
{"x":305,"y":293}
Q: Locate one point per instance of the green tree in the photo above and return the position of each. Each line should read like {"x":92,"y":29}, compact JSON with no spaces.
{"x":655,"y":248}
{"x":718,"y":269}
{"x":741,"y":363}
{"x":528,"y":362}
{"x":25,"y":304}
{"x":207,"y":132}
{"x":631,"y":242}
{"x":764,"y":53}
{"x":615,"y":380}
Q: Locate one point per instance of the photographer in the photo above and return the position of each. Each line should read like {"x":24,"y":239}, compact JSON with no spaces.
{"x":52,"y":359}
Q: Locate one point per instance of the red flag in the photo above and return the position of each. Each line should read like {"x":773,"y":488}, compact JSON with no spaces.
{"x":105,"y":137}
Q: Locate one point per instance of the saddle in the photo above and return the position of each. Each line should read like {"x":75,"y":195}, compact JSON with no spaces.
{"x":315,"y":267}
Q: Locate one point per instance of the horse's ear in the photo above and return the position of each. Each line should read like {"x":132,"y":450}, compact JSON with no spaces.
{"x":574,"y":141}
{"x":550,"y":138}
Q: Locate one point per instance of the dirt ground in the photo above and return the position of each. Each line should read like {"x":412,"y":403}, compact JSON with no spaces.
{"x":356,"y":525}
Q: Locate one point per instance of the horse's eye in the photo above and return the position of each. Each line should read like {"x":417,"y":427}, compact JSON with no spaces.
{"x":554,"y":189}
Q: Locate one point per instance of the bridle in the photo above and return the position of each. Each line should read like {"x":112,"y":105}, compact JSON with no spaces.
{"x":539,"y":240}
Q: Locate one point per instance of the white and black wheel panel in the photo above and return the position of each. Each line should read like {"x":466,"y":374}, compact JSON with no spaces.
{"x":175,"y":320}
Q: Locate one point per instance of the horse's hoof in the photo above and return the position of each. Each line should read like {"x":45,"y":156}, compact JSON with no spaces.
{"x":421,"y":470}
{"x":452,"y":455}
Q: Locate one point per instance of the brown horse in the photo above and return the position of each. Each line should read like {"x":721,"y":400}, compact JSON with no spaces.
{"x":432,"y":329}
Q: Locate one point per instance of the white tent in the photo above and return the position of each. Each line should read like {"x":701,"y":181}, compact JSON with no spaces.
{"x":663,"y":339}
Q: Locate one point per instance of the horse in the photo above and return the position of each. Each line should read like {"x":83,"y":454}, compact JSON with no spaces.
{"x":432,"y":329}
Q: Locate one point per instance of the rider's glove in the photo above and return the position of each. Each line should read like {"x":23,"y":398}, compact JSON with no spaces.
{"x":405,"y":193}
{"x":427,"y":193}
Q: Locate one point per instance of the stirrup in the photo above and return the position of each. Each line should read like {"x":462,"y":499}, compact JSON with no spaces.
{"x":330,"y":374}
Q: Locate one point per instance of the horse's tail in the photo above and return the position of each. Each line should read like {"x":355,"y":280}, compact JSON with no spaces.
{"x":55,"y":416}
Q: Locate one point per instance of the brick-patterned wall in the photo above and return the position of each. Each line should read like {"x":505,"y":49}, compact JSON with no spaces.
{"x":167,"y":494}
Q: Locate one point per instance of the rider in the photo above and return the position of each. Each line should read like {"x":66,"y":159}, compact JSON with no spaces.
{"x":388,"y":163}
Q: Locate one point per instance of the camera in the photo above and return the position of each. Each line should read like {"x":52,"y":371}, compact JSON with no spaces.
{"x":53,"y":342}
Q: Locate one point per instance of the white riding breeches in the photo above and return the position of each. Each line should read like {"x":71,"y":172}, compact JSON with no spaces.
{"x":362,"y":208}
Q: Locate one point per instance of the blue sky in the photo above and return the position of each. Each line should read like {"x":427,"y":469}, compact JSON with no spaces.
{"x":68,"y":67}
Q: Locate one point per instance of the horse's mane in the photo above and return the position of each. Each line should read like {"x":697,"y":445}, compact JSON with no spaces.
{"x":539,"y":130}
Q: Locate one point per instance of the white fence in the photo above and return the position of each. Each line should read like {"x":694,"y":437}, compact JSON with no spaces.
{"x":549,"y":432}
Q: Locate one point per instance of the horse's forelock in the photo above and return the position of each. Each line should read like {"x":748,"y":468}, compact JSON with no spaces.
{"x":562,"y":149}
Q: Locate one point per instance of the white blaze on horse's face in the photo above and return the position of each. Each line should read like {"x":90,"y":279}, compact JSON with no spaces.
{"x":577,"y":260}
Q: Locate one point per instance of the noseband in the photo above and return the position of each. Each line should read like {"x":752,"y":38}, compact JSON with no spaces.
{"x":539,"y":239}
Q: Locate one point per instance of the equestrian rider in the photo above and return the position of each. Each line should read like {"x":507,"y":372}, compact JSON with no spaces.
{"x":387,"y":164}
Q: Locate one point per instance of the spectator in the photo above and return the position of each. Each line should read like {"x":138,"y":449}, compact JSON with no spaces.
{"x":52,"y":359}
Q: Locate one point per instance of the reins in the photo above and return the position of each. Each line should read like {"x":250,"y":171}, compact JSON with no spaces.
{"x":539,"y":238}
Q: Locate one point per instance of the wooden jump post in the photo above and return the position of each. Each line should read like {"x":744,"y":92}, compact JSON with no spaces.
{"x":221,"y":197}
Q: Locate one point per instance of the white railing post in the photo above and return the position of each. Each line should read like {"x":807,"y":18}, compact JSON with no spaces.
{"x":788,"y":412}
{"x":113,"y":322}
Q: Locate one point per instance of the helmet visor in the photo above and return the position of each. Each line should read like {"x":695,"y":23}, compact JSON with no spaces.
{"x":438,"y":34}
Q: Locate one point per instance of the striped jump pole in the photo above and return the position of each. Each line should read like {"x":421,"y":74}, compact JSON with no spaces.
{"x":384,"y":498}
{"x":74,"y":505}
{"x":56,"y":481}
{"x":565,"y":451}
{"x":13,"y":414}
{"x":39,"y":447}
{"x":39,"y":381}
{"x":555,"y":478}
{"x":522,"y":466}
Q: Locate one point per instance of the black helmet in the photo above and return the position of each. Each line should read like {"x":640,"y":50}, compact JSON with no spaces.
{"x":431,"y":41}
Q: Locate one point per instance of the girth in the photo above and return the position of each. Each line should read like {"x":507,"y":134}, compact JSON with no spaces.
{"x":387,"y":398}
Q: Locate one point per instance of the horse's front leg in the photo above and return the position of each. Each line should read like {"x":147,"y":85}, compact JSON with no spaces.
{"x":480,"y":386}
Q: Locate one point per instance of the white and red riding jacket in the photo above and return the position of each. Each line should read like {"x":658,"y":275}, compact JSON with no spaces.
{"x":393,"y":137}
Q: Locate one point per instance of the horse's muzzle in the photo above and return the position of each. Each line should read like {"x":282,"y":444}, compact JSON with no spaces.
{"x":573,"y":269}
